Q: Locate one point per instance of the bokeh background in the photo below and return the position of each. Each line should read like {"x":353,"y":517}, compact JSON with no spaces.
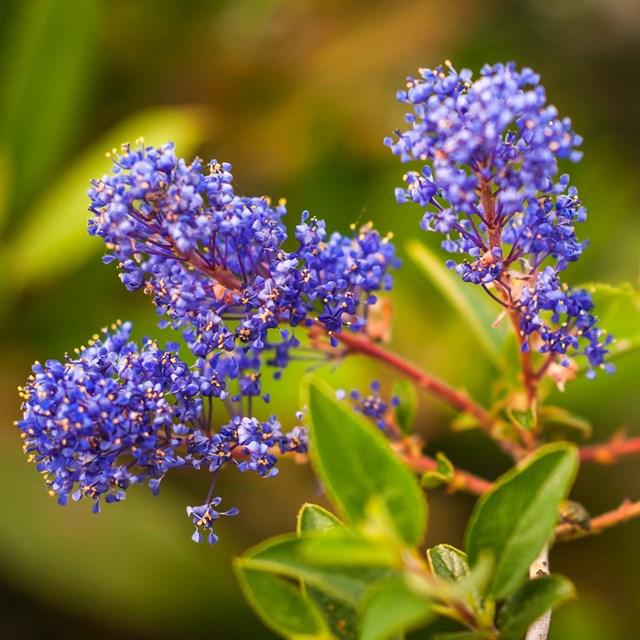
{"x":298,"y":95}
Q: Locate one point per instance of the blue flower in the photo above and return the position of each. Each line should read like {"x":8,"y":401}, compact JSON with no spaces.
{"x":204,"y":516}
{"x":490,"y":183}
{"x":251,"y":444}
{"x":372,"y":405}
{"x":214,"y":261}
{"x":113,"y":416}
{"x":118,"y":414}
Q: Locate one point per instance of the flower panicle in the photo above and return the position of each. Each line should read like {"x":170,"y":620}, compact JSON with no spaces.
{"x":108,"y":418}
{"x":490,"y":184}
{"x":119,"y":414}
{"x":372,"y":404}
{"x":215,"y":263}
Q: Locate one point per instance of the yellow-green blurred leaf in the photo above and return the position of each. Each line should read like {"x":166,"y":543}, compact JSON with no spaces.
{"x":53,"y":238}
{"x":469,"y":301}
{"x":130,"y":556}
{"x":44,"y":86}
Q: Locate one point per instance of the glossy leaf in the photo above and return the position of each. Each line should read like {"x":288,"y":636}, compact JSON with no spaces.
{"x":405,"y":412}
{"x":444,"y":473}
{"x":517,"y":517}
{"x":526,"y":420}
{"x":358,"y":467}
{"x":312,"y":518}
{"x":392,"y":608}
{"x":351,"y":550}
{"x":281,"y":605}
{"x":341,"y":617}
{"x":448,"y":563}
{"x":530,"y":602}
{"x":285,"y":556}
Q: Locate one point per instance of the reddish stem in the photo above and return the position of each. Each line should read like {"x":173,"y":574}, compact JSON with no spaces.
{"x":456,"y":399}
{"x":626,"y":511}
{"x":494,"y":231}
{"x":609,"y":452}
{"x":358,"y":343}
{"x":462,"y":480}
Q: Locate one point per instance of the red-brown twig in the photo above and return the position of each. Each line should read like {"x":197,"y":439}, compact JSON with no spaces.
{"x":359,"y":343}
{"x":626,"y":511}
{"x":462,"y":480}
{"x":459,"y":400}
{"x":609,"y":452}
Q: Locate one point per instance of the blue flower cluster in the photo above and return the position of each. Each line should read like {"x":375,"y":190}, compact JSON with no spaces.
{"x":203,"y":517}
{"x":489,"y":183}
{"x":110,"y":417}
{"x":214,"y":261}
{"x":215,"y":265}
{"x":371,"y":405}
{"x":117,"y":415}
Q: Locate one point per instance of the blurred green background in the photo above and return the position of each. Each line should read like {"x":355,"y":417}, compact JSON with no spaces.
{"x":298,"y":96}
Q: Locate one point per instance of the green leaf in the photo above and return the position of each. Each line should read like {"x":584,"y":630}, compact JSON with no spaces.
{"x":466,"y":587}
{"x":473,"y":306}
{"x":448,"y":563}
{"x":350,"y":550}
{"x":53,"y":238}
{"x":392,"y":608}
{"x":523,"y":419}
{"x":517,"y":517}
{"x":433,"y":480}
{"x":312,"y":518}
{"x":286,"y":556}
{"x":358,"y":467}
{"x":281,"y":605}
{"x":406,"y":409}
{"x":458,"y":582}
{"x":342,"y":618}
{"x":444,"y":473}
{"x":465,"y":422}
{"x":530,"y":602}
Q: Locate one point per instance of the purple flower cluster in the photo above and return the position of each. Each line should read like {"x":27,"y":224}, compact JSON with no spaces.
{"x":251,"y":445}
{"x":113,"y":416}
{"x":214,"y":261}
{"x":215,"y":265}
{"x":117,"y":415}
{"x":489,"y":183}
{"x":371,"y":405}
